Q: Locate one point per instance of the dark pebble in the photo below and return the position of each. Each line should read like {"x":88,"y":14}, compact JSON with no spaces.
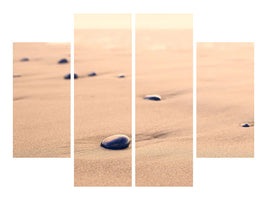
{"x":24,"y":59}
{"x":16,"y":76}
{"x":245,"y":125}
{"x":69,"y":75}
{"x":116,"y":142}
{"x":121,"y":76}
{"x":92,"y":74}
{"x":63,"y":61}
{"x":153,"y":97}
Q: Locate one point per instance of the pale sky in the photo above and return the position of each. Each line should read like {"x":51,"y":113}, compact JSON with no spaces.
{"x":164,"y":21}
{"x":102,"y":21}
{"x":142,"y":21}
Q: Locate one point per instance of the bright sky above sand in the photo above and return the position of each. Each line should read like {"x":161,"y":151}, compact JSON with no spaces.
{"x":164,"y":21}
{"x":142,"y":21}
{"x":102,"y":21}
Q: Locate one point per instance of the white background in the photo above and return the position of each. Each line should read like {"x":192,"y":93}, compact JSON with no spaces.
{"x":48,"y":21}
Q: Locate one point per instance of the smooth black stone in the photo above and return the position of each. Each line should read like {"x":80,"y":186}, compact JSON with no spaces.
{"x":24,"y":59}
{"x":153,"y":97}
{"x":63,"y":61}
{"x":92,"y":74}
{"x":121,"y":76}
{"x":245,"y":125}
{"x":116,"y":142}
{"x":69,"y":75}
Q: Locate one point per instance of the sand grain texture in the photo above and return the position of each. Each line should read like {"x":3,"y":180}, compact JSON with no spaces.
{"x":41,"y":101}
{"x":102,"y":106}
{"x":164,"y":143}
{"x":225,"y":99}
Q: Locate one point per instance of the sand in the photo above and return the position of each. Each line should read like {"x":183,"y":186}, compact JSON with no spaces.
{"x":102,"y":106}
{"x":41,"y":100}
{"x":164,"y":143}
{"x":225,"y":99}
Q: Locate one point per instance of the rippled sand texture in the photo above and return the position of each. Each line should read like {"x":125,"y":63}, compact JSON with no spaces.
{"x":164,"y":66}
{"x":41,"y":100}
{"x":102,"y":106}
{"x":225,"y":99}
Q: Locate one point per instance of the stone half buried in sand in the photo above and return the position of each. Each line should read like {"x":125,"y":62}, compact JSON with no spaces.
{"x":24,"y":59}
{"x":121,"y":76}
{"x":69,"y":75}
{"x":92,"y":74}
{"x":245,"y":125}
{"x":63,"y":61}
{"x":248,"y":124}
{"x":116,"y":142}
{"x":153,"y":97}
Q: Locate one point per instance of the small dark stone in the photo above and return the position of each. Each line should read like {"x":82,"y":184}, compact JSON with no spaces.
{"x":63,"y":61}
{"x":24,"y":59}
{"x":121,"y":76}
{"x":153,"y":97}
{"x":16,"y":76}
{"x":69,"y":75}
{"x":92,"y":74}
{"x":116,"y":142}
{"x":245,"y":125}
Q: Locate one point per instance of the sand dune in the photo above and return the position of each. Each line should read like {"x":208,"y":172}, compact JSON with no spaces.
{"x":41,"y":101}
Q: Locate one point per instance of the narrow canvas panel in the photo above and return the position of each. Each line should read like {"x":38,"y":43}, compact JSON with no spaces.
{"x":164,"y":100}
{"x":225,"y":100}
{"x":102,"y":100}
{"x":41,"y":100}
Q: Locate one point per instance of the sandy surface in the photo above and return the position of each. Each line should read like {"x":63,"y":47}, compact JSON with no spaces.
{"x":164,"y":145}
{"x":102,"y":106}
{"x":225,"y":99}
{"x":41,"y":100}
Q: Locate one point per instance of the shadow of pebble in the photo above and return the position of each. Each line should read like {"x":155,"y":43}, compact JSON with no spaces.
{"x":176,"y":93}
{"x":151,"y":136}
{"x":19,"y":98}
